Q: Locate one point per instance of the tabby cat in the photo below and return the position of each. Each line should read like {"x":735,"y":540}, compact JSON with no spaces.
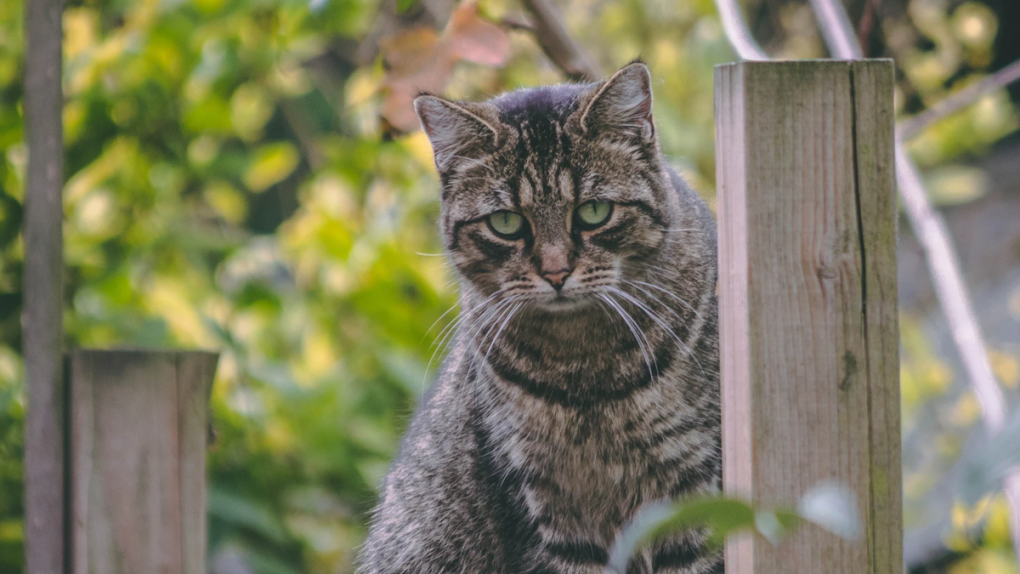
{"x":583,"y":378}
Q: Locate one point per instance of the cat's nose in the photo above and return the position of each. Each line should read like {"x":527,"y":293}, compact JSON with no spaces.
{"x":556,"y":278}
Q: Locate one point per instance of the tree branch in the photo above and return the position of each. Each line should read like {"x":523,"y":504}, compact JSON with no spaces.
{"x":835,"y":27}
{"x":302,"y":131}
{"x":557,"y":44}
{"x":514,"y":22}
{"x":911,"y":128}
{"x":867,"y":24}
{"x":737,"y":31}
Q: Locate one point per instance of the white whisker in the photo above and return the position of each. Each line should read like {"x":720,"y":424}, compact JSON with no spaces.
{"x":634,"y":329}
{"x":673,"y":295}
{"x":500,"y":330}
{"x":662,"y":324}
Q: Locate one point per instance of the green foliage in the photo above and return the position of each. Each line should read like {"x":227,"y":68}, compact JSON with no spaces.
{"x":826,"y":505}
{"x":12,"y":413}
{"x":230,"y":185}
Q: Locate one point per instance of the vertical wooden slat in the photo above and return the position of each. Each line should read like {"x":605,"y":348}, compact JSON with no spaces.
{"x":808,"y":328}
{"x":43,"y":292}
{"x":194,"y":377}
{"x":876,"y":173}
{"x":733,"y":310}
{"x":138,"y":422}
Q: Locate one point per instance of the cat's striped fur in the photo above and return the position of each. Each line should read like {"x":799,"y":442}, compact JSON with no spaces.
{"x":558,"y":414}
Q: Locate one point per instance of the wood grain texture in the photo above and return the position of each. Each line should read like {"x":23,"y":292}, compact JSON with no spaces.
{"x":808,"y":323}
{"x":138,"y":434}
{"x":42,"y":320}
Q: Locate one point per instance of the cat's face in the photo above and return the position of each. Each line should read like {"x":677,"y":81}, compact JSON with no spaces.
{"x":554,"y":196}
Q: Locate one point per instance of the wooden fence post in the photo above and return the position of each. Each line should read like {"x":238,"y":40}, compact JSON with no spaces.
{"x":808,"y":316}
{"x":43,"y":291}
{"x":139,"y":428}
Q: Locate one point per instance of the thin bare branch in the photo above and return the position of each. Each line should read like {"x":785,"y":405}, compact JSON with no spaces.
{"x":299,"y":125}
{"x":911,"y":128}
{"x":837,"y":30}
{"x":737,"y":31}
{"x":946,"y":275}
{"x":557,"y":43}
{"x":867,"y":25}
{"x":949,"y":287}
{"x":515,"y":22}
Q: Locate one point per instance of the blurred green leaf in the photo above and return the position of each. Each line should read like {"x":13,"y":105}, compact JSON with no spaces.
{"x":721,"y":515}
{"x":271,"y":164}
{"x":245,"y":513}
{"x":828,"y":505}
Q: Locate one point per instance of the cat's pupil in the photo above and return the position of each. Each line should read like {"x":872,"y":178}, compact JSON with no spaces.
{"x":506,"y":224}
{"x":594,"y":213}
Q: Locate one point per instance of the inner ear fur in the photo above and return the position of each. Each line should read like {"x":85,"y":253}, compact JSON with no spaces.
{"x":457,"y":129}
{"x":621,"y":105}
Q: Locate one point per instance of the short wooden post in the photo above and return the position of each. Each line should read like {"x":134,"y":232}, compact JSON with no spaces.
{"x":808,"y":317}
{"x":139,"y":428}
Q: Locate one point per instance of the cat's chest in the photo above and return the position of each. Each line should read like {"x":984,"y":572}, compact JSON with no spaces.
{"x":588,"y":470}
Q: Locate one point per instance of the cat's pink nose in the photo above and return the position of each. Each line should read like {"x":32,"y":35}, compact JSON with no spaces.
{"x":556,"y":278}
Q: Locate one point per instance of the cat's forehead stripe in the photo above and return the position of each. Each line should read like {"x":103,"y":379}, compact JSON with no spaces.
{"x":543,"y":146}
{"x":566,"y":184}
{"x":525,"y":192}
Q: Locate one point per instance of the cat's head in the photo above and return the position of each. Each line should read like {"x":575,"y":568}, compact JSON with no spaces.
{"x":553,"y":195}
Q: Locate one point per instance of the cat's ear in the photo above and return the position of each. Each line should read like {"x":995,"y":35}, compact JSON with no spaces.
{"x":622,"y":105}
{"x":457,"y":130}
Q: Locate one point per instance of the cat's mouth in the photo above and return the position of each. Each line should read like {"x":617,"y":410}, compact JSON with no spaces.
{"x":564,"y":301}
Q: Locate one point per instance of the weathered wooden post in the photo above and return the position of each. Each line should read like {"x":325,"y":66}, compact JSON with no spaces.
{"x":139,"y":427}
{"x":43,"y":288}
{"x":120,"y":487}
{"x":808,"y":316}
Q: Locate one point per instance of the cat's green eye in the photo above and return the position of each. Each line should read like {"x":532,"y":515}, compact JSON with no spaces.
{"x":594,"y":213}
{"x":506,"y":224}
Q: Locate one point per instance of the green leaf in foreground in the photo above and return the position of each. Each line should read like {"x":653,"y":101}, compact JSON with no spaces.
{"x":827,"y":505}
{"x":722,"y":515}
